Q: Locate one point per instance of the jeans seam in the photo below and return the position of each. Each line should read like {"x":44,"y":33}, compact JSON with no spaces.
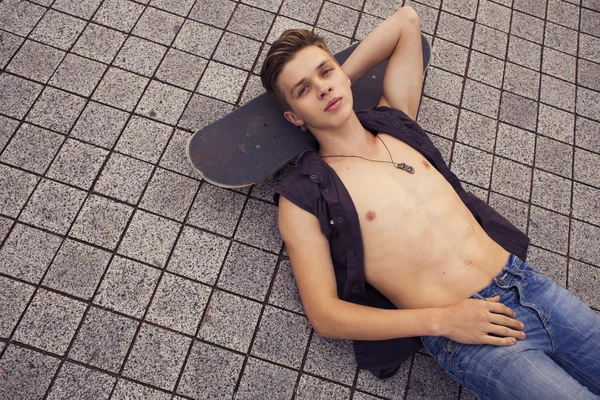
{"x":597,"y":383}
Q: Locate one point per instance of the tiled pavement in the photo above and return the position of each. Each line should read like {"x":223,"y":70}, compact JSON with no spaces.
{"x":123,"y":275}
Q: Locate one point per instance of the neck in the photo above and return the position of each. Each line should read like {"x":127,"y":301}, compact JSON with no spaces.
{"x":348,"y":138}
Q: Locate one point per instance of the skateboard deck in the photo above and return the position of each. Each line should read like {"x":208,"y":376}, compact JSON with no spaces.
{"x":255,"y":141}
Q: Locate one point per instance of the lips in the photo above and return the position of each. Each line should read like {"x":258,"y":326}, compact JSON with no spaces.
{"x":333,"y":104}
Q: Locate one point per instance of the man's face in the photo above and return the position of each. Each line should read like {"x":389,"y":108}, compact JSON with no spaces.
{"x":316,"y":88}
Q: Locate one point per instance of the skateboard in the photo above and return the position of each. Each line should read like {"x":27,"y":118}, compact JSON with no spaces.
{"x":255,"y":141}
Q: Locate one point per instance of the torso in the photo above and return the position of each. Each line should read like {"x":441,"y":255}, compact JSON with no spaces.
{"x":422,"y":246}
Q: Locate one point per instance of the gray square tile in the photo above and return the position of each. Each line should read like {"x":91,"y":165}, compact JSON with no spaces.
{"x":393,"y":388}
{"x":99,"y":43}
{"x":144,"y":139}
{"x":315,"y":388}
{"x":555,"y":123}
{"x":20,"y":17}
{"x":481,"y":98}
{"x":157,"y":357}
{"x":5,"y":225}
{"x":332,"y":359}
{"x":50,"y":322}
{"x":124,"y":178}
{"x":472,"y":165}
{"x":140,"y":56}
{"x":53,"y":206}
{"x":522,"y":81}
{"x":75,"y":381}
{"x":587,"y":167}
{"x":77,"y":269}
{"x":56,"y":109}
{"x":58,"y":29}
{"x":519,"y":111}
{"x":265,"y":380}
{"x":427,"y":15}
{"x":490,"y":41}
{"x":338,"y":19}
{"x":213,"y":12}
{"x":305,"y":11}
{"x":127,"y":287}
{"x":585,"y":242}
{"x":36,"y":61}
{"x":103,"y":339}
{"x":158,"y":26}
{"x":222,"y":82}
{"x":444,"y":146}
{"x":237,"y":51}
{"x":587,"y":133}
{"x":437,"y":117}
{"x":216,"y":209}
{"x":494,"y":15}
{"x":563,"y":13}
{"x":428,"y":380}
{"x":26,"y":374}
{"x":78,"y":74}
{"x":587,"y":75}
{"x":455,"y":29}
{"x":515,"y":143}
{"x":366,"y":24}
{"x":119,"y":14}
{"x":591,"y":4}
{"x":169,"y":194}
{"x":268,"y":5}
{"x":284,"y":292}
{"x":476,"y":130}
{"x":464,"y":8}
{"x":247,"y":271}
{"x":77,"y":163}
{"x":511,"y":179}
{"x":202,"y":111}
{"x":17,"y":95}
{"x":477,"y":191}
{"x":525,"y":53}
{"x":551,"y":191}
{"x":553,"y":156}
{"x":100,"y":125}
{"x":253,"y":89}
{"x":558,"y":93}
{"x":174,"y":157}
{"x":589,"y":47}
{"x":163,"y":102}
{"x":181,"y":69}
{"x":515,"y":211}
{"x":258,"y":226}
{"x":561,"y":38}
{"x":14,"y":297}
{"x":282,"y":24}
{"x":585,"y":203}
{"x":198,"y":255}
{"x":548,"y":230}
{"x":533,"y":7}
{"x":210,"y":372}
{"x":363,"y":396}
{"x":486,"y":69}
{"x":442,"y":85}
{"x":9,"y":44}
{"x":7,"y":128}
{"x":588,"y":103}
{"x":178,"y":304}
{"x":559,"y":64}
{"x":120,"y":89}
{"x":590,"y":21}
{"x":32,"y":148}
{"x":449,"y":56}
{"x":83,"y":9}
{"x":197,"y":38}
{"x":553,"y":265}
{"x":101,"y":221}
{"x":230,"y":321}
{"x":335,"y":43}
{"x":127,"y":390}
{"x":583,"y":280}
{"x":382,"y":8}
{"x":149,"y":238}
{"x":527,"y":27}
{"x":251,"y":22}
{"x":16,"y":186}
{"x":178,"y":7}
{"x":27,"y":253}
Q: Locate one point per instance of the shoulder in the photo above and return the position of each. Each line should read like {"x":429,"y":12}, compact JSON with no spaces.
{"x":298,"y":189}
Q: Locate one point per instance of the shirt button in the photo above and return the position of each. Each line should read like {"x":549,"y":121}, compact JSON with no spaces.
{"x":340,"y":220}
{"x":326,"y":190}
{"x":397,"y":125}
{"x":355,"y":289}
{"x":313,"y":176}
{"x":350,"y":254}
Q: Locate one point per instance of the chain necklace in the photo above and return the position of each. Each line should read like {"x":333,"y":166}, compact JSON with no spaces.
{"x":402,"y":166}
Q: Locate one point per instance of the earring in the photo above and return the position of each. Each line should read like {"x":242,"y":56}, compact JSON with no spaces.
{"x":303,"y":128}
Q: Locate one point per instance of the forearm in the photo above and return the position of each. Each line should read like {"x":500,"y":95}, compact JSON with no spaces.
{"x":379,"y":44}
{"x":343,"y":320}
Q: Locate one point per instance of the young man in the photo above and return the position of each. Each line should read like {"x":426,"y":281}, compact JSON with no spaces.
{"x":387,"y":246}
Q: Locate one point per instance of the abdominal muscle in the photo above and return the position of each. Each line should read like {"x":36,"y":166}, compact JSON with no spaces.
{"x":422,"y":246}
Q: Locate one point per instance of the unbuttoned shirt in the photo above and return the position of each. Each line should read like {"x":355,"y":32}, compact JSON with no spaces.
{"x":315,"y":187}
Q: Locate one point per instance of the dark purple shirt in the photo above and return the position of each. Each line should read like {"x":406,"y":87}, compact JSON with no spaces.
{"x":316,"y":188}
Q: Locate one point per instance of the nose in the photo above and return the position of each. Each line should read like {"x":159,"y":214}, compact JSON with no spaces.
{"x":324,"y":88}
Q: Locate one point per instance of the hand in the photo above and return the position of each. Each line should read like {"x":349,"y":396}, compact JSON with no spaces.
{"x":471,"y":321}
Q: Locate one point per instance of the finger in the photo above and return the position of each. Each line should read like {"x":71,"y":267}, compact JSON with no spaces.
{"x":496,"y":341}
{"x":506,"y":332}
{"x":495,"y":299}
{"x":503,"y":320}
{"x":500,"y":308}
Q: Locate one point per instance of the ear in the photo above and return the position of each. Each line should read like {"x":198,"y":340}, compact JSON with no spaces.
{"x":290,"y":116}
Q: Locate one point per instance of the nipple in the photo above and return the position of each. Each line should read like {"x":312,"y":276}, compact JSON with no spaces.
{"x":371,"y":215}
{"x":426,"y":164}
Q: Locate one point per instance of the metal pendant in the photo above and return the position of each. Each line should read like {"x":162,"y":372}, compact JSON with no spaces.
{"x":406,"y":168}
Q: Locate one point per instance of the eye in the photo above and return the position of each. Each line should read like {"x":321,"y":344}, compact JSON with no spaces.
{"x":302,"y":90}
{"x":327,"y":71}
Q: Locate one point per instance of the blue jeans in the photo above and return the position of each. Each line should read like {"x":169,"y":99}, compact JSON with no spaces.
{"x":559,"y":359}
